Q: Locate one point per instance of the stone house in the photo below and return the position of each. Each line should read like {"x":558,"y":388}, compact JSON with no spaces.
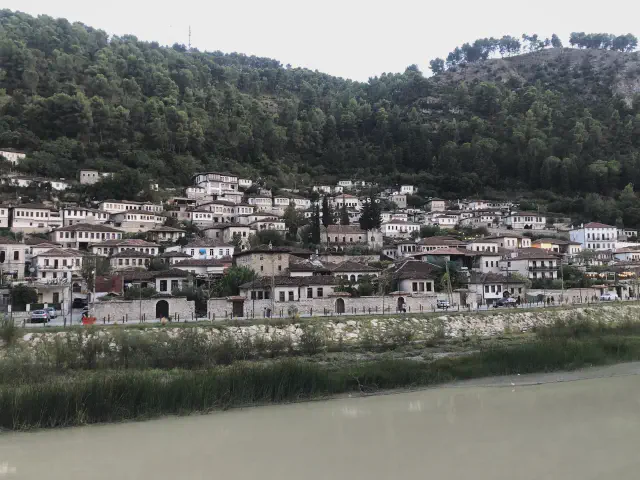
{"x":433,"y":243}
{"x":57,"y":264}
{"x":436,"y":205}
{"x":511,"y":241}
{"x":89,"y":177}
{"x":339,"y":237}
{"x":12,"y":156}
{"x":400,"y":199}
{"x":80,"y":235}
{"x":261,"y":203}
{"x":268,"y":261}
{"x":173,"y":257}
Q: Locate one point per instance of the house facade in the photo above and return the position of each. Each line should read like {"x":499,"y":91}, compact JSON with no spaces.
{"x":80,"y":235}
{"x":525,"y":221}
{"x":595,"y":236}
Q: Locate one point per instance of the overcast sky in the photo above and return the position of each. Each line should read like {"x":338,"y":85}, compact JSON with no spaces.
{"x":354,"y":39}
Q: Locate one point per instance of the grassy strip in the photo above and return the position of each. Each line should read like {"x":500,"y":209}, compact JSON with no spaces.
{"x":109,"y":396}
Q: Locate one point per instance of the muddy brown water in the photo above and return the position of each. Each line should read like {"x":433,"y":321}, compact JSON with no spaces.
{"x":585,"y":430}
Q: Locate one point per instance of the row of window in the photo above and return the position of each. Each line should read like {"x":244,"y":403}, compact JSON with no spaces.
{"x":3,"y":256}
{"x":212,"y":252}
{"x":133,"y":261}
{"x":54,"y":275}
{"x":149,"y":218}
{"x":91,"y":235}
{"x":64,"y":262}
{"x":598,"y":245}
{"x":26,"y":213}
{"x":421,"y":286}
{"x":175,"y":285}
{"x":486,"y":249}
{"x":599,"y":237}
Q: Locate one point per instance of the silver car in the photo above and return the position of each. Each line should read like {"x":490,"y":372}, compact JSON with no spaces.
{"x":52,"y":312}
{"x":40,"y":316}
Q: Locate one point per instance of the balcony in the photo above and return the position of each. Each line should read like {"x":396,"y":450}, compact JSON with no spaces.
{"x":545,"y":268}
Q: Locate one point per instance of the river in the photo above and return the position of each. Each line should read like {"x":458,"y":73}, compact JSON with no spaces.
{"x":490,"y":429}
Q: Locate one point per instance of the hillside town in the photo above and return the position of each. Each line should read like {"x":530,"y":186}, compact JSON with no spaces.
{"x":352,"y":247}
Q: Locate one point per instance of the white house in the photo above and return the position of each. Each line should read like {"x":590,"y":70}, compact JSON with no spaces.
{"x":165,"y":234}
{"x":525,"y":221}
{"x":532,"y":263}
{"x":34,"y":218}
{"x":12,"y":156}
{"x":80,"y":235}
{"x":595,"y":236}
{"x":400,"y":199}
{"x":202,"y":267}
{"x":628,"y":254}
{"x":345,"y":199}
{"x":12,"y":259}
{"x":119,"y":206}
{"x":4,"y":216}
{"x":511,"y":241}
{"x":260,"y":202}
{"x":216,"y":183}
{"x":245,"y":182}
{"x":322,"y":189}
{"x":345,"y":184}
{"x":127,"y":259}
{"x":57,"y":264}
{"x":137,"y":221}
{"x":446,"y":221}
{"x":109,"y":247}
{"x":399,"y":228}
{"x":72,"y":215}
{"x":207,"y":248}
{"x":408,"y":189}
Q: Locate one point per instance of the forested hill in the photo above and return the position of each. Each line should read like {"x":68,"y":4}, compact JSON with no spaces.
{"x":562,"y":120}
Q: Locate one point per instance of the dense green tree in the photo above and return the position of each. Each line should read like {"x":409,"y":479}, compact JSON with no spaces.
{"x":344,"y":215}
{"x":293,"y":220}
{"x":233,"y":278}
{"x":327,"y":213}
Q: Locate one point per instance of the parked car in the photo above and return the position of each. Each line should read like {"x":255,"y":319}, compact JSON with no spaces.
{"x":444,"y":304}
{"x":40,"y":316}
{"x":79,"y":302}
{"x":609,"y":296}
{"x":506,"y":302}
{"x":52,"y":312}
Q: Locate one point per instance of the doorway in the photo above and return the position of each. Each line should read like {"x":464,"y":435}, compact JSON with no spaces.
{"x":401,"y":305}
{"x":162,"y":309}
{"x":340,"y":305}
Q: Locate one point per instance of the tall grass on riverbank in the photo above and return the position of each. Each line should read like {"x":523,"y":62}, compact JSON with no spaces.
{"x":109,"y":396}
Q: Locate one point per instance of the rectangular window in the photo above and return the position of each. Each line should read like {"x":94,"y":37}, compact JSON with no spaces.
{"x":44,"y":274}
{"x":428,"y":284}
{"x":262,"y":294}
{"x":320,"y":292}
{"x":174,"y":285}
{"x":253,"y":294}
{"x":415,"y":286}
{"x":486,"y":289}
{"x":291,"y":295}
{"x":309,"y":292}
{"x":486,"y":264}
{"x":281,"y":296}
{"x":163,"y":285}
{"x":46,"y":262}
{"x":493,"y":289}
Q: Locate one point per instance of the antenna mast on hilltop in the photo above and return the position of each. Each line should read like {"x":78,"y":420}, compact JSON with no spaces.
{"x":189,"y":37}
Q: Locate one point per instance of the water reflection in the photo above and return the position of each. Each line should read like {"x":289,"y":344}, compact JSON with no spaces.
{"x":583,"y":430}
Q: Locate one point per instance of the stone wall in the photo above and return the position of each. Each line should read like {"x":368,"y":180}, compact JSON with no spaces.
{"x":332,"y":258}
{"x":221,"y":308}
{"x":132,"y":309}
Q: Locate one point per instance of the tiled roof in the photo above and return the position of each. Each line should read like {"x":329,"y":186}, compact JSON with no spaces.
{"x":597,"y":225}
{"x":557,"y":241}
{"x":441,"y":240}
{"x":414,"y":269}
{"x":59,"y":252}
{"x":338,"y":229}
{"x":482,"y":278}
{"x":165,"y":229}
{"x":132,"y":254}
{"x":203,"y":262}
{"x":8,"y":241}
{"x":95,"y":227}
{"x":531,"y":253}
{"x":174,"y":255}
{"x":38,"y":206}
{"x":350,"y":266}
{"x":265,"y":282}
{"x":302,"y":265}
{"x":130,"y":242}
{"x":206,"y":243}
